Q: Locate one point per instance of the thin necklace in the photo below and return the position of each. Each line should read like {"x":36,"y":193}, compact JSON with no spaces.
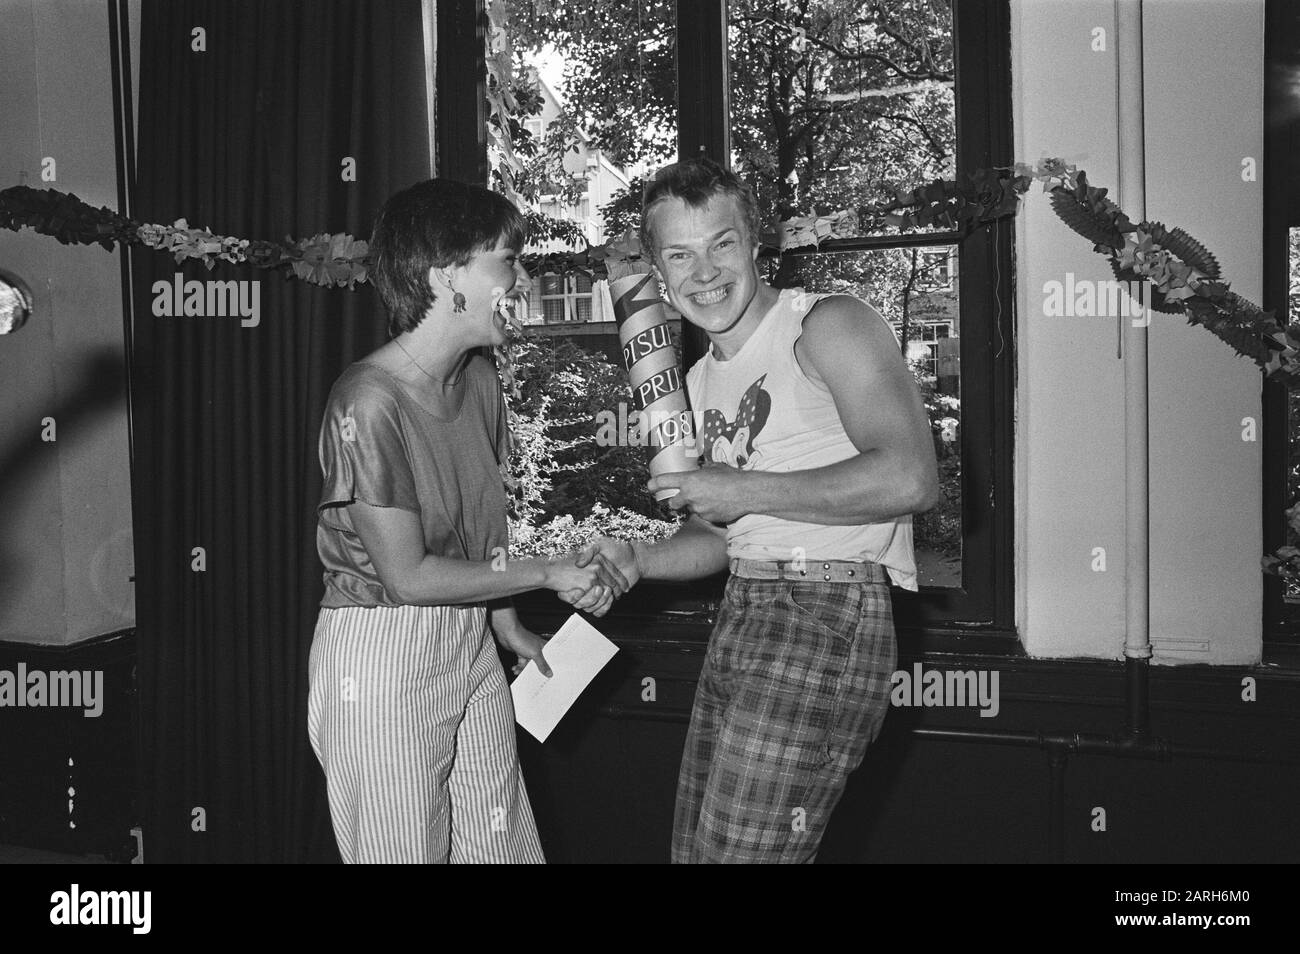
{"x":421,"y":367}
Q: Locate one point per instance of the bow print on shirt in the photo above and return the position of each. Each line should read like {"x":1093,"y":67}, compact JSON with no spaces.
{"x":733,"y":443}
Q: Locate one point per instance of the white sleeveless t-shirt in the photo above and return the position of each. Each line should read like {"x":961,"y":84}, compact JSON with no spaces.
{"x":758,"y":410}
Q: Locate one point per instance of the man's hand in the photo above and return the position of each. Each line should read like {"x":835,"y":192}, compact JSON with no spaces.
{"x":586,"y":580}
{"x":716,"y":492}
{"x":619,"y":553}
{"x":526,"y":645}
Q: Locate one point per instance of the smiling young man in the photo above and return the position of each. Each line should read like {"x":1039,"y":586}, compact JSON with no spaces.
{"x":817,"y":451}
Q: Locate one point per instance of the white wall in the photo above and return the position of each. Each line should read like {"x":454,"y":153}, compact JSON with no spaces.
{"x":1203,"y":74}
{"x":1205,"y":58}
{"x":65,"y":550}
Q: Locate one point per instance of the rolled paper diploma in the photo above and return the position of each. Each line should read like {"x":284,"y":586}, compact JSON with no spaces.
{"x":658,"y":388}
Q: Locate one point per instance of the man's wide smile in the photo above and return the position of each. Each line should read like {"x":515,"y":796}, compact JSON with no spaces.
{"x":710,"y":297}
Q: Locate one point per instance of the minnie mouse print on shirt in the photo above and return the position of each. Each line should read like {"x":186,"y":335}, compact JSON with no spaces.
{"x":732,"y":443}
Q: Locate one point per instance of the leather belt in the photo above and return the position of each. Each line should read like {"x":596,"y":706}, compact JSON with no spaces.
{"x":810,"y":570}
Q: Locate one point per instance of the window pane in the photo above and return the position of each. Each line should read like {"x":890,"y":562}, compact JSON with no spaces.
{"x":605,"y":99}
{"x":837,"y":103}
{"x":929,"y":322}
{"x":605,"y":96}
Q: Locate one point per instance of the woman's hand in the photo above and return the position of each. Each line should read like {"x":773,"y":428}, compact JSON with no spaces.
{"x":621,"y":554}
{"x":526,"y":645}
{"x":586,"y":579}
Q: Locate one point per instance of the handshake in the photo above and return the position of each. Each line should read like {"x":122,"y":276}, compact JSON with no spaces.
{"x":593,"y":577}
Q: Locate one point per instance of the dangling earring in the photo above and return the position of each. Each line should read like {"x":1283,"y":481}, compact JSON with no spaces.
{"x":457,"y":299}
{"x":458,"y":302}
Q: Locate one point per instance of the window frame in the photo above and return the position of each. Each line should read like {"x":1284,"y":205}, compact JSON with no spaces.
{"x":1281,"y":620}
{"x":984,"y":603}
{"x":930,"y":339}
{"x":979,"y":615}
{"x":569,"y":295}
{"x":945,"y":269}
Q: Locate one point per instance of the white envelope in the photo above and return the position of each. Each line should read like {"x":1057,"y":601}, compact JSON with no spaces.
{"x":576,"y":653}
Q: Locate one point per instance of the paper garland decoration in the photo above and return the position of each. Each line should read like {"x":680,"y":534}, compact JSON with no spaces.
{"x":1184,"y":276}
{"x":323,"y":259}
{"x":813,"y":229}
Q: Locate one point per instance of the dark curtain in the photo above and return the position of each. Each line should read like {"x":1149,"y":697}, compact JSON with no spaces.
{"x":248,"y":138}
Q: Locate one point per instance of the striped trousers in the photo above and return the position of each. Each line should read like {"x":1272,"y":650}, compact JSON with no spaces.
{"x":411,"y":717}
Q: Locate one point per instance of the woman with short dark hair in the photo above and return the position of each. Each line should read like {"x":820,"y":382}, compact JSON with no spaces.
{"x":410,"y":713}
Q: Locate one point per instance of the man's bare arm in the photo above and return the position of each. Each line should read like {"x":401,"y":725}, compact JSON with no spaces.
{"x":847,"y":347}
{"x":696,"y":550}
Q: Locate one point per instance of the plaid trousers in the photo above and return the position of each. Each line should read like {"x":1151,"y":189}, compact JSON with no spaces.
{"x":795,"y":687}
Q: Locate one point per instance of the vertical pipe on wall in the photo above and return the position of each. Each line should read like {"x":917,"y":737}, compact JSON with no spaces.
{"x":1056,"y":762}
{"x":1137,"y":541}
{"x":119,"y":36}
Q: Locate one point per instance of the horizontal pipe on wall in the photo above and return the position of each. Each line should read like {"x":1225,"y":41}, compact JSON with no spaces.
{"x":1081,"y":743}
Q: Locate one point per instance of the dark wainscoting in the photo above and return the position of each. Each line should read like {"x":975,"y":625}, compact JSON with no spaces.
{"x":602,"y":786}
{"x":47,"y":751}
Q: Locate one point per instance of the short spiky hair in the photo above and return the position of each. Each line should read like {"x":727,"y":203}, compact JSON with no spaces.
{"x":695,"y":181}
{"x":434,"y":224}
